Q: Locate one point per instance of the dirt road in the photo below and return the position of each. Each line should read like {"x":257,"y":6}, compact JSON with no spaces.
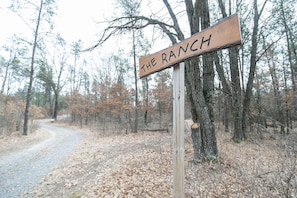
{"x":21,"y":170}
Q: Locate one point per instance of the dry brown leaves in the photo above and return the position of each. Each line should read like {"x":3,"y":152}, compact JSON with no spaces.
{"x":140,"y":165}
{"x":16,"y":141}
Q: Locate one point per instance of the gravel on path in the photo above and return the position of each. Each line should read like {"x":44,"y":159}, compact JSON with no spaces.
{"x":22,"y":170}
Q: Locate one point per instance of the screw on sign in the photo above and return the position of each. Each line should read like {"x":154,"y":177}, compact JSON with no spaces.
{"x":222,"y":35}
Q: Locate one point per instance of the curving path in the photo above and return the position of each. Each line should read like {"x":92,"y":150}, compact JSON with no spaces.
{"x":21,"y":171}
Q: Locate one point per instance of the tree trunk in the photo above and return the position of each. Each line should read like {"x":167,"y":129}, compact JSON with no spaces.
{"x":196,"y":137}
{"x":55,"y":115}
{"x":200,"y":93}
{"x":248,"y":92}
{"x":136,"y":87}
{"x":5,"y":78}
{"x":200,"y":113}
{"x":277,"y":96}
{"x":287,"y":108}
{"x":146,"y":99}
{"x":239,"y":134}
{"x":236,"y":98}
{"x":226,"y":113}
{"x":290,"y":48}
{"x":29,"y":91}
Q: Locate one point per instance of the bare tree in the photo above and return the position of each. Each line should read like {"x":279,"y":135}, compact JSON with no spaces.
{"x":51,"y":75}
{"x":10,"y":66}
{"x":235,"y":91}
{"x":200,"y":87}
{"x":74,"y":78}
{"x":44,"y":12}
{"x":59,"y":84}
{"x":253,"y":61}
{"x":200,"y":92}
{"x":29,"y":91}
{"x":286,"y":18}
{"x":241,"y":104}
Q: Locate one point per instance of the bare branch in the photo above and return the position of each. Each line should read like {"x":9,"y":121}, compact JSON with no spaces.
{"x":269,"y":47}
{"x":180,"y":34}
{"x":263,"y":8}
{"x":127,"y":23}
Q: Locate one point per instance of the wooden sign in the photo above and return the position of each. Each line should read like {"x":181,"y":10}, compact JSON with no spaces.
{"x":222,"y":35}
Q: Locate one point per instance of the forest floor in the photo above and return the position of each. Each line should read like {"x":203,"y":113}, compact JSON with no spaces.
{"x":16,"y":142}
{"x":140,"y":165}
{"x":26,"y":160}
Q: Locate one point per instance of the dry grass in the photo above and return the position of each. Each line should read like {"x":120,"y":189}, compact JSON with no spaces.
{"x":140,"y":165}
{"x":15,"y":141}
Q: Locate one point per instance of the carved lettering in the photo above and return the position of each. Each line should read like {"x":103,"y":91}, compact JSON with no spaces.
{"x":182,"y":49}
{"x":194,"y":49}
{"x":150,"y":64}
{"x":204,"y":41}
{"x":222,"y":35}
{"x":164,"y":58}
{"x":171,"y":55}
{"x":153,"y":61}
{"x":143,"y":68}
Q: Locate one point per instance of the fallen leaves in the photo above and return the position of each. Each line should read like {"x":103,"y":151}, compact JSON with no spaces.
{"x":142,"y":174}
{"x":140,"y":165}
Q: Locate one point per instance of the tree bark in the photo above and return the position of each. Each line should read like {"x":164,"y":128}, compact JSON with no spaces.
{"x":253,"y":61}
{"x":55,"y":114}
{"x":200,"y":113}
{"x":135,"y":84}
{"x":196,"y":138}
{"x":290,"y":48}
{"x":29,"y":91}
{"x":200,"y":93}
{"x":248,"y":92}
{"x":277,"y":96}
{"x":235,"y":92}
{"x":239,"y":134}
{"x":5,"y":78}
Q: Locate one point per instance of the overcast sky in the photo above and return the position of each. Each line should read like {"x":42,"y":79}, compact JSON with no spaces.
{"x":75,"y":19}
{"x":78,"y":19}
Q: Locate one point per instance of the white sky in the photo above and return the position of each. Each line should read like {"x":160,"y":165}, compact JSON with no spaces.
{"x":75,"y":19}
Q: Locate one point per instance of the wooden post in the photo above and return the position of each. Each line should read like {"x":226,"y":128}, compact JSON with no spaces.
{"x":225,"y":34}
{"x":178,"y":130}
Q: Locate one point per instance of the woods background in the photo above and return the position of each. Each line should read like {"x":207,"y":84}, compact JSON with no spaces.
{"x":245,"y":88}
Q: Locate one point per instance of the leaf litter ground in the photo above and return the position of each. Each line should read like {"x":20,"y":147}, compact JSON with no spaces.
{"x":140,"y":165}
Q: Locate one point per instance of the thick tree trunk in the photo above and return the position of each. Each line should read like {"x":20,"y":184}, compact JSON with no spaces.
{"x":196,"y":138}
{"x":200,"y":113}
{"x":239,"y":134}
{"x":200,"y":93}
